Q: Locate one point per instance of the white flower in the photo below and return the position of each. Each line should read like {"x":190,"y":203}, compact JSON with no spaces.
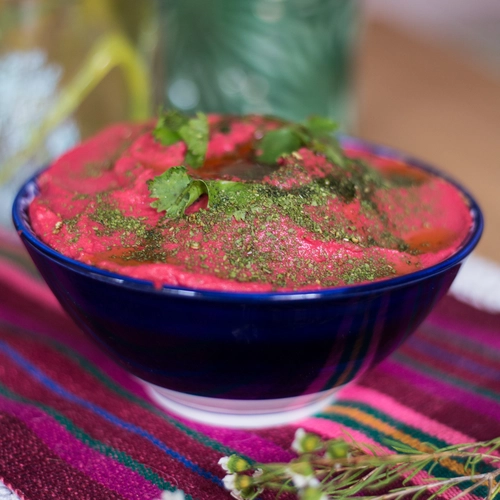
{"x":297,"y":441}
{"x":258,"y":473}
{"x":302,"y":481}
{"x":240,"y":485}
{"x":229,"y":482}
{"x":173,"y":495}
{"x":223,"y":463}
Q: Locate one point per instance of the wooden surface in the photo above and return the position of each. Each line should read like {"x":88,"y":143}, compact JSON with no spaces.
{"x":430,"y":102}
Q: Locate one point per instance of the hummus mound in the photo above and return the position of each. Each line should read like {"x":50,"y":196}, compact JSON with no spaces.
{"x":309,"y":222}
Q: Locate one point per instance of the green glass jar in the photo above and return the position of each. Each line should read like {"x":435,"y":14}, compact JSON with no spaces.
{"x":290,"y":58}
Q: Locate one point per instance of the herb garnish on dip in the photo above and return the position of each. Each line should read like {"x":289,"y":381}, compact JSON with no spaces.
{"x":248,"y":203}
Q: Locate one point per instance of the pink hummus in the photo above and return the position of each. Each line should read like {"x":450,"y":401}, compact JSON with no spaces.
{"x":95,"y":206}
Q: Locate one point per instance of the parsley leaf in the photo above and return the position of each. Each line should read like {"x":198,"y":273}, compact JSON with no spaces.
{"x":173,"y":127}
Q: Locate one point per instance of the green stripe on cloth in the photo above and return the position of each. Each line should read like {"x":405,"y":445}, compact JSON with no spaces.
{"x":112,"y":385}
{"x":97,"y":445}
{"x":119,"y":390}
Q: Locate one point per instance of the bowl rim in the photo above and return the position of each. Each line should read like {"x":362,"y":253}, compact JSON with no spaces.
{"x":30,"y":188}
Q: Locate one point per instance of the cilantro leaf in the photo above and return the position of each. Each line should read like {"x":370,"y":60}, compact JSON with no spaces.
{"x":176,"y":190}
{"x":321,"y":139}
{"x":195,"y":134}
{"x":316,"y":133}
{"x":167,"y":127}
{"x":319,"y":126}
{"x":331,"y":149}
{"x":276,"y":143}
{"x":173,"y":127}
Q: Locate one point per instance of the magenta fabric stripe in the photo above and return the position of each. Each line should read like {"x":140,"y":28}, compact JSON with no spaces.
{"x":71,"y":338}
{"x":37,"y":472}
{"x":27,"y":286}
{"x":462,"y":316}
{"x":46,"y":317}
{"x":98,"y":467}
{"x":246,"y":442}
{"x":333,"y":430}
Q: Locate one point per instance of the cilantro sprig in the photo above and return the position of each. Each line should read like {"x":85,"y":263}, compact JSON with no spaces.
{"x":316,"y":133}
{"x":173,"y":127}
{"x":176,"y":190}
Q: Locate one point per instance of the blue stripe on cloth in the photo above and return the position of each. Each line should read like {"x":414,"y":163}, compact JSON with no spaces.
{"x":56,"y":388}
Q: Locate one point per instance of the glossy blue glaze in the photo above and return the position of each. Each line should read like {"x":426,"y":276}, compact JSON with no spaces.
{"x":243,"y":345}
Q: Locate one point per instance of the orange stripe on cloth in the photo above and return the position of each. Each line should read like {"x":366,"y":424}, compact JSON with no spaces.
{"x":389,"y":430}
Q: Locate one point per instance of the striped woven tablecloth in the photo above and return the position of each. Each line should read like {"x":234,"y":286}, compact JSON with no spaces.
{"x":73,"y":425}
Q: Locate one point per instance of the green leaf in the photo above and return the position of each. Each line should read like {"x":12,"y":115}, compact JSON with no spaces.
{"x":173,"y":127}
{"x":167,"y":127}
{"x":331,"y":149}
{"x":176,"y":190}
{"x":195,"y":134}
{"x":276,"y":143}
{"x":319,"y":131}
{"x":319,"y":126}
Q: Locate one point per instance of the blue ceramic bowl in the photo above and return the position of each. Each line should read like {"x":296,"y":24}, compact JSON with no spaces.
{"x":244,"y":358}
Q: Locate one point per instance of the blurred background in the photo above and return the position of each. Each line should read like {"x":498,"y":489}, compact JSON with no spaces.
{"x":423,"y":77}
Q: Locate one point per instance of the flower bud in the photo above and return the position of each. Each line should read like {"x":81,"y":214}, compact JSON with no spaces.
{"x":240,"y":485}
{"x":234,"y":463}
{"x":337,"y":449}
{"x":306,"y":442}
